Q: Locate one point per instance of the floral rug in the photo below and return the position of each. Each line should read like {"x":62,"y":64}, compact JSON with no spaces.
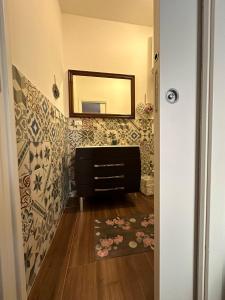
{"x":124,"y":236}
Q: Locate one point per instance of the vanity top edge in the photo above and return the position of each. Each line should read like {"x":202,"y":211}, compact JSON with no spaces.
{"x":108,"y":146}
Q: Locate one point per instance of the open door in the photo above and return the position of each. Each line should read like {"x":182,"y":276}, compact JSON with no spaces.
{"x":12,"y":273}
{"x":176,"y":78}
{"x":176,"y":84}
{"x":215,"y":209}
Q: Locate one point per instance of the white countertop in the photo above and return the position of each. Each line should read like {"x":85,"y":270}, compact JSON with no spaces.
{"x":108,"y":146}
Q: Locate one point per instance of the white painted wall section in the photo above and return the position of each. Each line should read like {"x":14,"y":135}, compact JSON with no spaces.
{"x":36,"y":44}
{"x":111,"y":47}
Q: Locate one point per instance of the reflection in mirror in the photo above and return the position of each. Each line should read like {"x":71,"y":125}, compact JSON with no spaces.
{"x":101,"y":94}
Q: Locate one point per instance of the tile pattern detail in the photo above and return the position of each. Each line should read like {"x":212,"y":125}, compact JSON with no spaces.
{"x":43,"y":170}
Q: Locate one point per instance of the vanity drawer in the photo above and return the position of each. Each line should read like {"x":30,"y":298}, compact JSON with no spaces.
{"x":104,"y":153}
{"x":107,"y":169}
{"x":88,"y":191}
{"x":107,"y":183}
{"x":99,"y":166}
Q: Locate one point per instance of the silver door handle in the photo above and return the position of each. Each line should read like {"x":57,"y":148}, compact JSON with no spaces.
{"x":172,"y":96}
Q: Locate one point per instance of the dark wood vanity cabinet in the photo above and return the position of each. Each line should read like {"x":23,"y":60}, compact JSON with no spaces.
{"x":113,"y":169}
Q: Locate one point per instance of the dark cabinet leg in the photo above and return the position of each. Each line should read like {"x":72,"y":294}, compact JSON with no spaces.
{"x":81,"y":203}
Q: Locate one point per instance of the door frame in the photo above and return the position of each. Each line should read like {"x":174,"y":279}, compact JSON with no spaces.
{"x":205,"y":144}
{"x":203,"y":149}
{"x":12,"y":271}
{"x":11,"y":248}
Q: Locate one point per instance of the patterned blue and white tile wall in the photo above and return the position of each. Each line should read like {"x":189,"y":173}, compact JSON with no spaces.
{"x":46,"y":142}
{"x":43,"y":170}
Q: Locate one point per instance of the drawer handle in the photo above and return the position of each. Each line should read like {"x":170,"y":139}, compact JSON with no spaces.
{"x":109,"y":165}
{"x":110,"y":189}
{"x":109,"y":177}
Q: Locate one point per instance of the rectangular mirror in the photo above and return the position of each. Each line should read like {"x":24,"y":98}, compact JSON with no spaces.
{"x":101,"y":95}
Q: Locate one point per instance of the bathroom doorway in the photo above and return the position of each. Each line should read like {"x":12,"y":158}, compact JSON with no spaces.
{"x":176,"y":193}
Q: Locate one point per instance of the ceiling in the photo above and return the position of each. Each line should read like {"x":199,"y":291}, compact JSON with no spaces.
{"x":139,"y":12}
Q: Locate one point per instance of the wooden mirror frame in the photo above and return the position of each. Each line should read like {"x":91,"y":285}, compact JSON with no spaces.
{"x":72,"y":114}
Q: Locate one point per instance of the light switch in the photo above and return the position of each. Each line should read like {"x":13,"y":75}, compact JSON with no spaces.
{"x":78,"y":123}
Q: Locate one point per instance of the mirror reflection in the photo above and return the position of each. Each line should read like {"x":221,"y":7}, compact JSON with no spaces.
{"x":101,"y":94}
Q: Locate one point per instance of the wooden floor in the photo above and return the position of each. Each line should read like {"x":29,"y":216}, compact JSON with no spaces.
{"x":70,"y":271}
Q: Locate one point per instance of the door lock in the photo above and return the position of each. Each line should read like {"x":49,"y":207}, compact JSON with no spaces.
{"x":172,"y":96}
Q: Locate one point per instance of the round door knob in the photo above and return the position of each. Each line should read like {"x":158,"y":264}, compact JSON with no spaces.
{"x":172,"y":96}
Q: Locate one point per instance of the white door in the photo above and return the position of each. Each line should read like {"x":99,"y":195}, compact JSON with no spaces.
{"x":176,"y":147}
{"x":12,"y":272}
{"x":176,"y":133}
{"x":215,"y":267}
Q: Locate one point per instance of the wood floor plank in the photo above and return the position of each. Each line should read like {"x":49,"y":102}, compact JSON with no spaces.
{"x":125,"y":278}
{"x":50,"y":280}
{"x":123,"y":275}
{"x":81,"y":283}
{"x":122,"y":278}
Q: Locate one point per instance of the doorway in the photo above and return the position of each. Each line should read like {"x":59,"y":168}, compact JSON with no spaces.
{"x":176,"y":192}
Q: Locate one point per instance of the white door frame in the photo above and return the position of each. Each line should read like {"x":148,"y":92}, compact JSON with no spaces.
{"x":205,"y":147}
{"x":204,"y":113}
{"x":12,"y":271}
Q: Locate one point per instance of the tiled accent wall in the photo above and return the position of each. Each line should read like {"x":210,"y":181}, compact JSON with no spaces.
{"x":43,"y":170}
{"x":46,"y":143}
{"x":127,"y":132}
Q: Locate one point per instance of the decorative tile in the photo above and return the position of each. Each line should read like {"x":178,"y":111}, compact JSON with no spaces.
{"x":127,"y":132}
{"x":27,"y":222}
{"x":42,"y":134}
{"x":21,"y":122}
{"x":46,"y":142}
{"x":37,"y":184}
{"x":23,"y":157}
{"x":100,"y":137}
{"x":25,"y":191}
{"x":144,"y":111}
{"x":36,"y":155}
{"x":47,"y":153}
{"x":35,"y":130}
{"x":134,"y":136}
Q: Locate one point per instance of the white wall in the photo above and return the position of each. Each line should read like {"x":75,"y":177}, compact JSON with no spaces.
{"x":36,"y":43}
{"x":216,"y":280}
{"x":106,"y":46}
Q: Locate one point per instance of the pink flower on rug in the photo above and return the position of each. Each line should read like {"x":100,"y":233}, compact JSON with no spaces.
{"x":126,"y":227}
{"x":118,"y":239}
{"x":106,"y":243}
{"x":103,"y":253}
{"x":119,"y":222}
{"x":151,"y":219}
{"x":109,"y":222}
{"x":148,"y":242}
{"x":140,"y":234}
{"x":139,"y":240}
{"x":144,"y":223}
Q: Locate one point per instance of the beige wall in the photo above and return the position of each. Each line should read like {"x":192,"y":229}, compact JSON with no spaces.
{"x":36,"y":43}
{"x":106,"y":46}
